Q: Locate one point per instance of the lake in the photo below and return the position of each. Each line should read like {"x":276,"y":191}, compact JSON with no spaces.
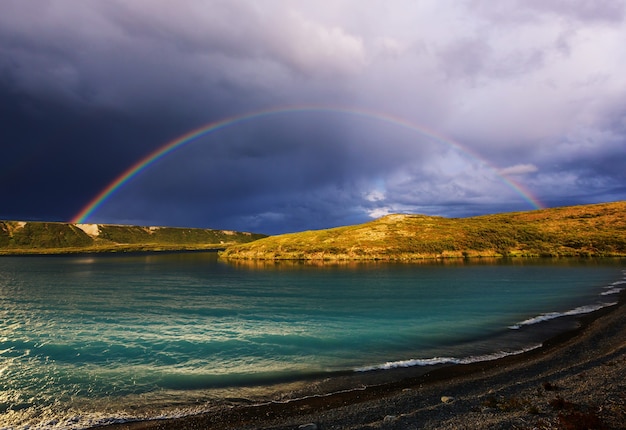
{"x":88,"y":340}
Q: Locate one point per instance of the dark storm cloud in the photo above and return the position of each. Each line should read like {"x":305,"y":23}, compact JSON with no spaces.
{"x":532,"y":90}
{"x":275,"y":171}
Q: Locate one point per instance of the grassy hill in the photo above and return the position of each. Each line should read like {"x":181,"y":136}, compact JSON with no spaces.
{"x":18,"y":237}
{"x":590,"y":230}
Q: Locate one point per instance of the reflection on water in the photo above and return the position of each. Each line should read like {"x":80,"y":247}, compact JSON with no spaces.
{"x":450,"y":262}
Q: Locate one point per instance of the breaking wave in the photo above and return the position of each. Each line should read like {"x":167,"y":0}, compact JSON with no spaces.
{"x":553,"y":315}
{"x":444,"y":360}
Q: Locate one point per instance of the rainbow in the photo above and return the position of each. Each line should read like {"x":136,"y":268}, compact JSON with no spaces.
{"x":197,"y":133}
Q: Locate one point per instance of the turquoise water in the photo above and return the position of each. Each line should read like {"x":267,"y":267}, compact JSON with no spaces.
{"x":84,"y":338}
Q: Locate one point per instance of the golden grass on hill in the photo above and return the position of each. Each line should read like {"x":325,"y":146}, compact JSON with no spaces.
{"x":589,"y":230}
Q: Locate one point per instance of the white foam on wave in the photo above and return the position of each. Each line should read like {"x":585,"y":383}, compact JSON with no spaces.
{"x":611,"y":291}
{"x":552,"y":315}
{"x":614,"y":287}
{"x":49,"y":419}
{"x":443,"y":360}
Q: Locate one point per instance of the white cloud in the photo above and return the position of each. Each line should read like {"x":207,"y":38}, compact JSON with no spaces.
{"x":375,"y":196}
{"x":518,"y":169}
{"x":379,"y":212}
{"x":314,"y":49}
{"x":389,"y":48}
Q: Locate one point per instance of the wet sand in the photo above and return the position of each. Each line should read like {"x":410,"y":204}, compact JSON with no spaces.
{"x":577,"y":380}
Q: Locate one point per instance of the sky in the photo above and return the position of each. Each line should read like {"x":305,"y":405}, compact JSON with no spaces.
{"x":332,"y":113}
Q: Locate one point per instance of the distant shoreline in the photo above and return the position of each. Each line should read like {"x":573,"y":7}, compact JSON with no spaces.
{"x":121,"y":250}
{"x":582,"y":367}
{"x":148,"y":248}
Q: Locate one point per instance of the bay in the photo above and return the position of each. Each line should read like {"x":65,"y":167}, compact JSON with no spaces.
{"x":88,"y":340}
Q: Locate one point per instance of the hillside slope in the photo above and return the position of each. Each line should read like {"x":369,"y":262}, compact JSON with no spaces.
{"x":590,"y":230}
{"x":18,"y":237}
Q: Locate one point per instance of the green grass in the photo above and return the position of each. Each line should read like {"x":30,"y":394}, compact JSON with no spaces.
{"x":62,"y":238}
{"x":589,"y":230}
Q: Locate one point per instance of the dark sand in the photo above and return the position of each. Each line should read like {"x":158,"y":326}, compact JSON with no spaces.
{"x":575,"y":381}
